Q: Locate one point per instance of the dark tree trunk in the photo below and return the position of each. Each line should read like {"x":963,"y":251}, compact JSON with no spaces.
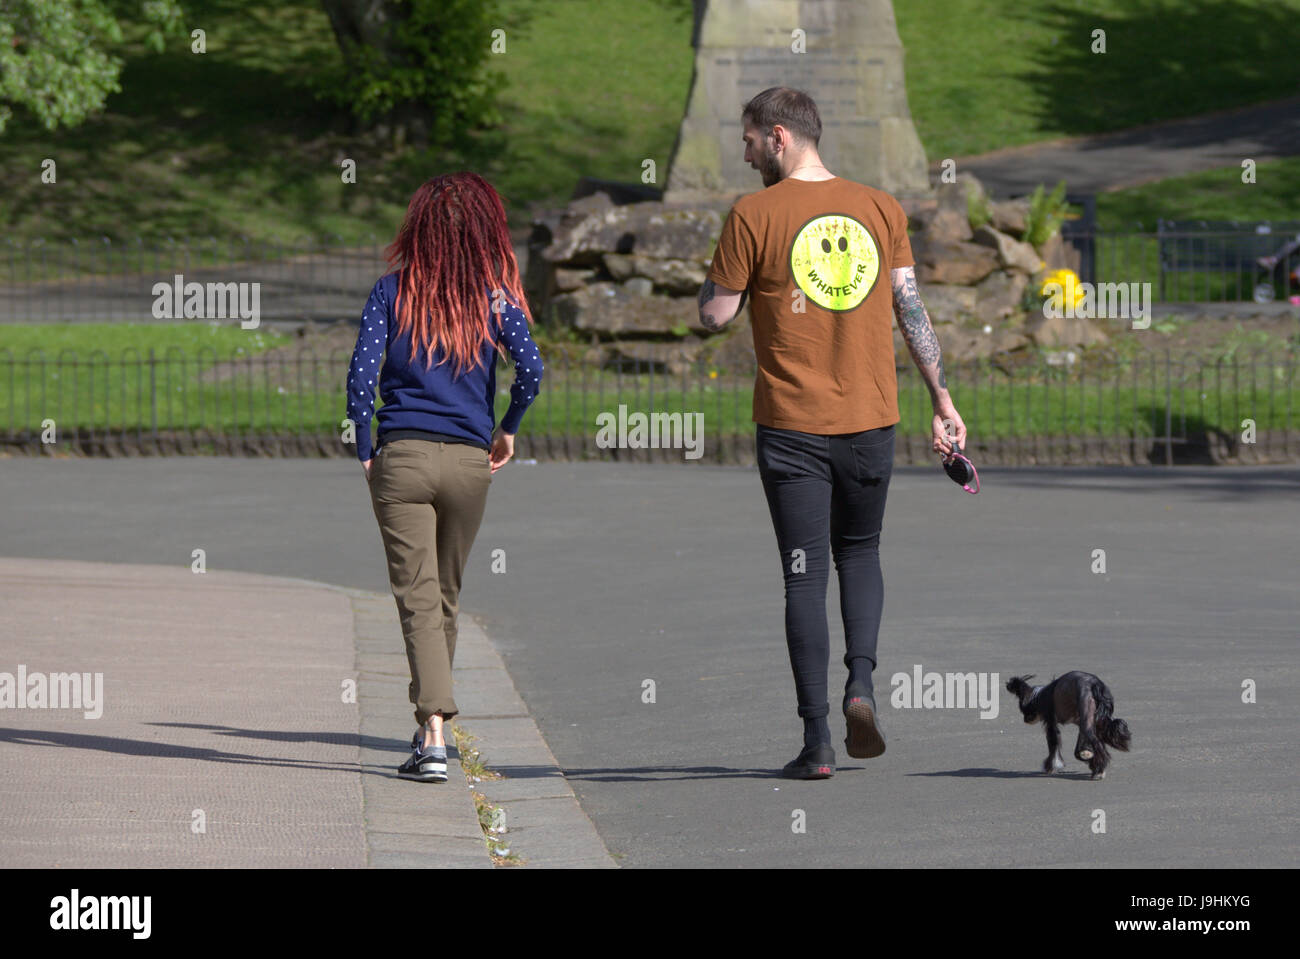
{"x":363,"y":23}
{"x":377,"y":24}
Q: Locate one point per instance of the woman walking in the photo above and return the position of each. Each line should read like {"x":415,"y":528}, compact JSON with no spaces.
{"x":452,"y":300}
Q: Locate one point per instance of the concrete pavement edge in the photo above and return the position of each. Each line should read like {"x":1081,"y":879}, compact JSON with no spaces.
{"x":545,"y":824}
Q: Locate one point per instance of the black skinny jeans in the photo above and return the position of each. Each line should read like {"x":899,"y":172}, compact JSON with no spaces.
{"x":827,"y":490}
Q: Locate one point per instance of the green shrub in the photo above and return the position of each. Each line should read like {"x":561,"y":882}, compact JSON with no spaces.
{"x":978,"y":208}
{"x":433,"y":60}
{"x":1046,"y":214}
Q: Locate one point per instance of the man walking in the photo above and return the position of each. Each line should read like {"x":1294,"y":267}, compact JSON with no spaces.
{"x":814,"y":252}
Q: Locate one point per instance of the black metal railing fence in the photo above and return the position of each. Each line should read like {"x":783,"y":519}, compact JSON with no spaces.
{"x":1154,"y":406}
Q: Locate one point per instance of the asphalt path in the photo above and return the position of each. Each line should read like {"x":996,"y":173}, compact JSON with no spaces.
{"x":1138,"y":155}
{"x":619,"y":574}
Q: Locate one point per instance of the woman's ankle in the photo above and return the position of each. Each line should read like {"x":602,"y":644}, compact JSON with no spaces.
{"x":433,"y":735}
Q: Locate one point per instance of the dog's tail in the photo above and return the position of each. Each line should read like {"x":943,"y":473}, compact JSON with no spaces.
{"x":1110,"y":730}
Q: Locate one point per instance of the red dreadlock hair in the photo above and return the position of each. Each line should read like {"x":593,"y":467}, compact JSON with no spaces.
{"x":452,"y":248}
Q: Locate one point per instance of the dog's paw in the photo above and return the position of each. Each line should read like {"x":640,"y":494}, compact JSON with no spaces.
{"x":1085,"y":754}
{"x":1100,"y":775}
{"x":1052,"y":766}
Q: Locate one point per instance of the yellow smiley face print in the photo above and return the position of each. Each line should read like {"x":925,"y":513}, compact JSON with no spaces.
{"x":835,"y":261}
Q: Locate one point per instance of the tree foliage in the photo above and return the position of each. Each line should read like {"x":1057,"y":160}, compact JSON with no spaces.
{"x":422,"y":63}
{"x":59,"y":58}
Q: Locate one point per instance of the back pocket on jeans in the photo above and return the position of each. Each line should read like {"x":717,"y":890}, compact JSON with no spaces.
{"x":873,"y":462}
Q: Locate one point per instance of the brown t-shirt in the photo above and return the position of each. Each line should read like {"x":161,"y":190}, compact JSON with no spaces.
{"x":815,"y":256}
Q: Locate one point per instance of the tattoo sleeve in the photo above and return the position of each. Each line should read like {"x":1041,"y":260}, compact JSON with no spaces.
{"x":708,"y":320}
{"x":914,"y":323}
{"x":725,"y":306}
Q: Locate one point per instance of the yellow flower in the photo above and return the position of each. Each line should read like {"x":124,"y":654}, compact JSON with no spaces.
{"x":1058,"y":285}
{"x":713,"y":374}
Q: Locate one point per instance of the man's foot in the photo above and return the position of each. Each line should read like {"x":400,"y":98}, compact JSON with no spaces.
{"x":813,"y":762}
{"x":865,"y":739}
{"x":426,"y":764}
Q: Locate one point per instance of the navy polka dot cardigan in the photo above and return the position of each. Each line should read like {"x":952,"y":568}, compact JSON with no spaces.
{"x":433,"y":400}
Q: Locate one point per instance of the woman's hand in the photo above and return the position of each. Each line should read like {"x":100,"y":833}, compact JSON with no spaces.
{"x":503,"y":447}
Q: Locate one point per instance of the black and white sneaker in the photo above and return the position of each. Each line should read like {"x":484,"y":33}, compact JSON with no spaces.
{"x":425,"y":765}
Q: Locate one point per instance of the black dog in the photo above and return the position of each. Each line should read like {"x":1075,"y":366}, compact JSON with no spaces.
{"x":1079,"y":698}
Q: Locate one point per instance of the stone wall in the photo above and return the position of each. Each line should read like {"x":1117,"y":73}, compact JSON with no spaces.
{"x":974,"y":280}
{"x":626,"y":277}
{"x":623,"y":272}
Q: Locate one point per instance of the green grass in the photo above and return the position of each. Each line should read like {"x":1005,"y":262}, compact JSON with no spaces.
{"x":1210,"y":195}
{"x":225,"y":143}
{"x":233,"y":143}
{"x":1121,"y":396}
{"x":1217,"y":195}
{"x":1135,"y":258}
{"x":594,"y":89}
{"x":225,"y":338}
{"x":987,"y":74}
{"x":1115,"y":402}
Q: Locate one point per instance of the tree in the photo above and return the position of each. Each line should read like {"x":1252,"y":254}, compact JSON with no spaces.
{"x":56,"y":59}
{"x":417,"y":64}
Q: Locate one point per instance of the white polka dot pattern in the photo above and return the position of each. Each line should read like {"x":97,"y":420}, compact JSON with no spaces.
{"x":433,"y":400}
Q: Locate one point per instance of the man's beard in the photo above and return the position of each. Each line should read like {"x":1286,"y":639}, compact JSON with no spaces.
{"x":769,"y":167}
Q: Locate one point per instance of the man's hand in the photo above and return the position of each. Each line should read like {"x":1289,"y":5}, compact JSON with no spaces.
{"x":947,"y":427}
{"x":366,"y":466}
{"x":503,"y":447}
{"x":719,"y":305}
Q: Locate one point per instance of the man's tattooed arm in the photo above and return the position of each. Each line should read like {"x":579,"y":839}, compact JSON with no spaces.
{"x":707,"y":293}
{"x":719,"y":305}
{"x":914,"y":323}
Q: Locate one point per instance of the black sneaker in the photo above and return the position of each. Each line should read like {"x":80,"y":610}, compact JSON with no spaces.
{"x":813,"y":762}
{"x":425,"y":765}
{"x":865,"y":739}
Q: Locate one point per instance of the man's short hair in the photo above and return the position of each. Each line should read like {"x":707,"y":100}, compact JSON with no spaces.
{"x":792,"y":109}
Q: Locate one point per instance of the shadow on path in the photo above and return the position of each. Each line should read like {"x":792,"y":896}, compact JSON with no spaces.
{"x":1220,"y":483}
{"x":634,"y":774}
{"x":281,"y":736}
{"x":989,"y":773}
{"x":135,"y":747}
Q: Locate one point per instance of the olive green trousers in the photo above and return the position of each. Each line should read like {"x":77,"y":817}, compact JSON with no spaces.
{"x":428,"y":498}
